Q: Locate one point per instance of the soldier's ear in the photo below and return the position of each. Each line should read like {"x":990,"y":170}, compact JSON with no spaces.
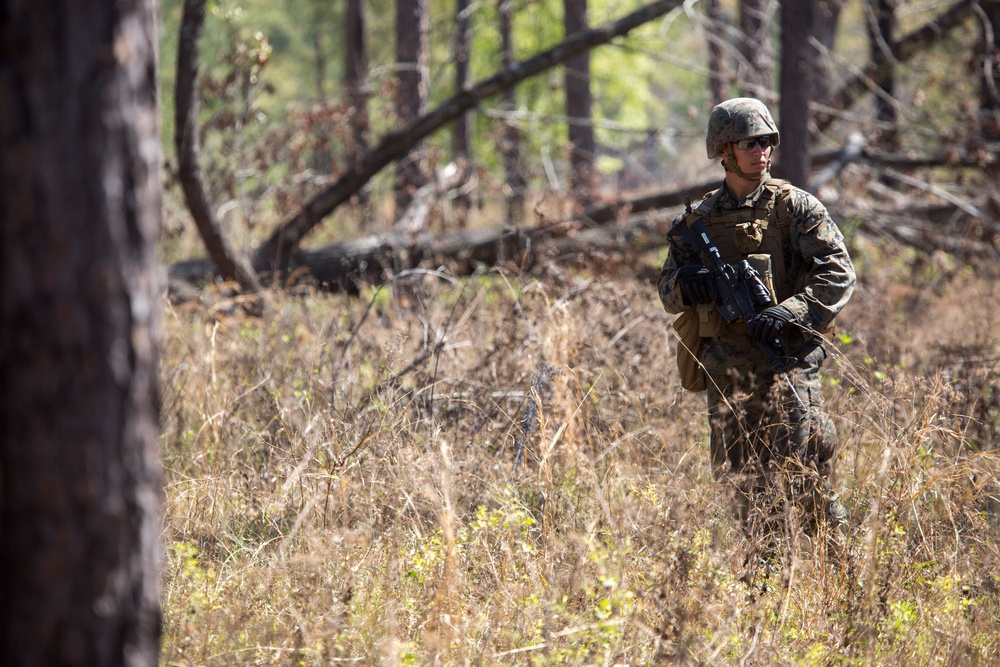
{"x":723,"y":150}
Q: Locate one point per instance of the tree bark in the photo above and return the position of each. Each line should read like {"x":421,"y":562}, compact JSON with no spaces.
{"x":232,"y":266}
{"x":461,"y":132}
{"x":881,"y":33}
{"x":80,"y":209}
{"x":579,"y":109}
{"x":274,"y":253}
{"x":756,"y":66}
{"x":461,"y":144}
{"x":826,"y":21}
{"x":356,"y":92}
{"x":989,"y":71}
{"x":412,"y":31}
{"x":510,"y":137}
{"x":796,"y":66}
{"x":716,"y":62}
{"x":322,"y":159}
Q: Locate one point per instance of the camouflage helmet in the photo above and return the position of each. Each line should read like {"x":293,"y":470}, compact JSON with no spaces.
{"x":738,"y":118}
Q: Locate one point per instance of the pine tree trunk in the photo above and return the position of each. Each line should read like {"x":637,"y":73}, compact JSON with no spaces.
{"x":579,"y":105}
{"x":796,"y":67}
{"x":80,"y":210}
{"x":510,"y":137}
{"x":461,"y":132}
{"x":411,"y":91}
{"x":826,"y":19}
{"x":716,"y":63}
{"x":355,"y":71}
{"x":989,"y":72}
{"x":756,"y":66}
{"x":881,"y":29}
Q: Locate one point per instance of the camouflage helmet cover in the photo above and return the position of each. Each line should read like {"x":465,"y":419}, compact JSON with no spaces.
{"x":738,"y":118}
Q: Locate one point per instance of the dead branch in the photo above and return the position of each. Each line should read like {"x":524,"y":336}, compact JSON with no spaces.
{"x":629,"y":225}
{"x":416,"y":216}
{"x":851,"y":151}
{"x":900,"y":51}
{"x":277,"y":250}
{"x":371,"y":260}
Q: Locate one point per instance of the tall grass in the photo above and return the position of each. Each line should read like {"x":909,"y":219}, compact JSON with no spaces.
{"x":341,"y":484}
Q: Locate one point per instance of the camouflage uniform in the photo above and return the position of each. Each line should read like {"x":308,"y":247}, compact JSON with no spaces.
{"x":757,"y":425}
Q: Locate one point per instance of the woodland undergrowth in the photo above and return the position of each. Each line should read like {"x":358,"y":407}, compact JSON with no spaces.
{"x":504,"y":469}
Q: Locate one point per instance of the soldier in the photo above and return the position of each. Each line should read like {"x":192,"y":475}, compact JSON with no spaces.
{"x":770,"y":437}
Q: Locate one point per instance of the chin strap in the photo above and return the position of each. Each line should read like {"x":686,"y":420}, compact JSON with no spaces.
{"x":729,"y":164}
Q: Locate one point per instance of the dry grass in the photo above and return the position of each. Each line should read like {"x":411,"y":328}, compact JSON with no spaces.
{"x":341,"y":484}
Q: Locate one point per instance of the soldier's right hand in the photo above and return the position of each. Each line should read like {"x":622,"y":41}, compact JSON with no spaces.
{"x":697,"y":284}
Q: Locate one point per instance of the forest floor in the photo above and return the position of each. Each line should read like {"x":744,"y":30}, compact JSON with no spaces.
{"x":341,"y":483}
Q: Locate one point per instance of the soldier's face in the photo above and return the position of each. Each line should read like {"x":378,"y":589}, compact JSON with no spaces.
{"x":752,"y":160}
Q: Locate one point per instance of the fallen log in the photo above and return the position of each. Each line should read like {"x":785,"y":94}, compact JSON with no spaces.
{"x":630,"y":225}
{"x":372,"y":259}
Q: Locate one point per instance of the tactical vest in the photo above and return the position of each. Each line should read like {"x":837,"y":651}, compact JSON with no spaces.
{"x":760,"y":234}
{"x":750,"y":232}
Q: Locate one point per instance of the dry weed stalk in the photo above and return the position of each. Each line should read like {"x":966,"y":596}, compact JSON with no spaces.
{"x":389,"y":526}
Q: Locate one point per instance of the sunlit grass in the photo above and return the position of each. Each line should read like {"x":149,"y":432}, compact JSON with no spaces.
{"x":341,"y":484}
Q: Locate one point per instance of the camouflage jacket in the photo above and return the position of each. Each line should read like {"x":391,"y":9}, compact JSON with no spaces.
{"x":824,"y":274}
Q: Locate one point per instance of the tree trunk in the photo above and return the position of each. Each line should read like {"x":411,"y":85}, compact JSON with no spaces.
{"x":881,"y":29}
{"x":412,"y":32}
{"x":323,"y":157}
{"x":461,"y":137}
{"x":356,"y":92}
{"x":579,"y":105}
{"x":796,"y":66}
{"x":756,"y":65}
{"x":232,"y":266}
{"x":80,"y":209}
{"x":826,"y":19}
{"x":716,"y":63}
{"x":989,"y":72}
{"x":510,"y":137}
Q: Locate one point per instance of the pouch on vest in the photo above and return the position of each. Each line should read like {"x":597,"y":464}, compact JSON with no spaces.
{"x":688,"y":327}
{"x":762,"y":265}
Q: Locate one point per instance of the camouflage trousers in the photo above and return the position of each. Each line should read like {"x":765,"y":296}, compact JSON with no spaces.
{"x":776,"y":451}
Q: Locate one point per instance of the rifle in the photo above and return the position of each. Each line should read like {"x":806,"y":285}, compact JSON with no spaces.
{"x":740,"y":293}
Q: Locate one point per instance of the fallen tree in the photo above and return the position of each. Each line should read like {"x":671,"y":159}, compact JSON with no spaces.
{"x":278,"y":249}
{"x":630,"y":225}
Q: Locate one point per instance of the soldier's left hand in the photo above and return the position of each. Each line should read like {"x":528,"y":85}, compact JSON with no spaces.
{"x":767,"y":326}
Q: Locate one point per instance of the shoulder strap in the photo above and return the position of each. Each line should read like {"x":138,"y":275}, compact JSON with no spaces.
{"x":779,"y":189}
{"x":704,"y":207}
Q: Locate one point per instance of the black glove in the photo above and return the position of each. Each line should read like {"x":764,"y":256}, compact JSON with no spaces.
{"x":697,"y":284}
{"x":767,"y":326}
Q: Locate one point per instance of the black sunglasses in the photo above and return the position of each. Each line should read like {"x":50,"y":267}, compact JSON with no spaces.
{"x":746,"y":144}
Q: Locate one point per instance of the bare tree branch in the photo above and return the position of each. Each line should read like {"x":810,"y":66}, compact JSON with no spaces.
{"x":345,"y":266}
{"x":900,"y":51}
{"x":417,"y":215}
{"x":275,"y":252}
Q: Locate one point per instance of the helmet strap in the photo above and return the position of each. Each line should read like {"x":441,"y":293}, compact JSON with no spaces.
{"x":729,"y":164}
